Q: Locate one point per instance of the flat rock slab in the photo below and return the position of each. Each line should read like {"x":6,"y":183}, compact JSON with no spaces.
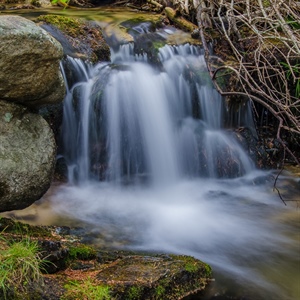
{"x":155,"y":277}
{"x":83,"y":269}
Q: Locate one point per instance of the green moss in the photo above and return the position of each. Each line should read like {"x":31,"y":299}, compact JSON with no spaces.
{"x":83,"y":252}
{"x":134,"y":292}
{"x":70,"y":26}
{"x":86,"y":289}
{"x":208,"y":270}
{"x":160,"y":291}
{"x":18,"y":228}
{"x":266,"y":3}
{"x":158,"y":44}
{"x":193,"y":265}
{"x":294,"y":24}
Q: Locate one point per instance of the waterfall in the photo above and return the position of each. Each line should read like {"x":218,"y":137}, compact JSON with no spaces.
{"x":154,"y":164}
{"x":130,"y":121}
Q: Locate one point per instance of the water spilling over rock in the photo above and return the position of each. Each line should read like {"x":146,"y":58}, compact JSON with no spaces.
{"x":128,"y":120}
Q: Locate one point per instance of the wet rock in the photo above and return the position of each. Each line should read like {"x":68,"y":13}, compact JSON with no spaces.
{"x":195,"y":34}
{"x":54,"y":254}
{"x":127,"y":275}
{"x":30,"y":73}
{"x":79,"y":38}
{"x":53,"y":114}
{"x":63,"y":230}
{"x":265,"y":152}
{"x":27,"y":156}
{"x":179,"y":21}
{"x":149,"y":43}
{"x":155,"y":277}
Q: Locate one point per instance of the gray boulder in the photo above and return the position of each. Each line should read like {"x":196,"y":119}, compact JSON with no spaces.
{"x":27,"y":156}
{"x":29,"y":63}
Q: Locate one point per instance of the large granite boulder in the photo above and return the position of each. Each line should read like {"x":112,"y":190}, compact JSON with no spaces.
{"x":29,"y":63}
{"x":27,"y":156}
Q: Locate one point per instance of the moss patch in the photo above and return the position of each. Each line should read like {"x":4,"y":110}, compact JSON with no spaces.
{"x":85,"y":38}
{"x":81,"y":251}
{"x":160,"y":277}
{"x":109,"y":274}
{"x":86,"y":290}
{"x":17,"y":228}
{"x":179,"y":21}
{"x":68,"y":25}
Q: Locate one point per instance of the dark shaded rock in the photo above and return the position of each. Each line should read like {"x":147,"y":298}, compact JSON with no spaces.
{"x":265,"y":151}
{"x":149,"y":43}
{"x":53,"y":114}
{"x":63,"y":230}
{"x":195,"y":34}
{"x":30,"y":73}
{"x":54,"y":254}
{"x":27,"y":156}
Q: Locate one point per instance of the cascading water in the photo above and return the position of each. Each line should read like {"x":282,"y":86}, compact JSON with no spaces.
{"x":129,"y":119}
{"x":151,"y":167}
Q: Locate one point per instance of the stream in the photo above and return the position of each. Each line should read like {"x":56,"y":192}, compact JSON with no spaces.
{"x":153,"y":166}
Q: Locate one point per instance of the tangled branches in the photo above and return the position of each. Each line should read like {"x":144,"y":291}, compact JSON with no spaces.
{"x":264,"y":39}
{"x":259,"y":56}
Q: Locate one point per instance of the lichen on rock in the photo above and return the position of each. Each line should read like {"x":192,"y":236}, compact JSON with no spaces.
{"x":29,"y":63}
{"x":27,"y":156}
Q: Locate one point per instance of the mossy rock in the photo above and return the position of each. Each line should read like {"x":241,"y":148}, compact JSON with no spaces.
{"x":82,"y":252}
{"x":179,"y":21}
{"x":68,"y":25}
{"x":17,"y":228}
{"x":86,"y":270}
{"x":155,"y":277}
{"x":149,"y":43}
{"x":79,"y":38}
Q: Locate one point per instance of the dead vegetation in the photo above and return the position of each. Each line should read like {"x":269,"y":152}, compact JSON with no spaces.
{"x":256,"y":54}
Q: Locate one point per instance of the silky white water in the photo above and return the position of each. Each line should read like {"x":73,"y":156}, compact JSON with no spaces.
{"x":127,"y":119}
{"x":152,"y":166}
{"x":172,"y":178}
{"x":239,"y":226}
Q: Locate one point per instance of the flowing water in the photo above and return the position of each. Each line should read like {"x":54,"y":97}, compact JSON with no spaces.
{"x":133,"y":121}
{"x":152,"y":165}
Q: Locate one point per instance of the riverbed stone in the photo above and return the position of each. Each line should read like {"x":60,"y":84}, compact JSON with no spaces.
{"x":88,"y":269}
{"x":79,"y":38}
{"x":155,"y":277}
{"x":27,"y":156}
{"x":29,"y":63}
